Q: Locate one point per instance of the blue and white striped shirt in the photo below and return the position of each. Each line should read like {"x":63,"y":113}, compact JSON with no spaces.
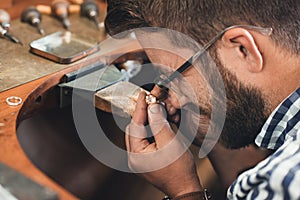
{"x":278,"y":176}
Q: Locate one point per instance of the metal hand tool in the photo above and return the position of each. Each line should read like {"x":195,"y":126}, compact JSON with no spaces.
{"x":4,"y":27}
{"x":4,"y":19}
{"x":89,"y":9}
{"x":60,"y":9}
{"x":33,"y":17}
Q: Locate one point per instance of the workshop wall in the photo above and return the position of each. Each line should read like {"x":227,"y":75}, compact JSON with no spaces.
{"x":6,"y":4}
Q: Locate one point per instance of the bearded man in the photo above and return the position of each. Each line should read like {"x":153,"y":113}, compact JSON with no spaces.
{"x":255,"y":46}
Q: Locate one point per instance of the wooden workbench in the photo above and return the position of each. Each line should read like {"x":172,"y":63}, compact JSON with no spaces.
{"x":33,"y":78}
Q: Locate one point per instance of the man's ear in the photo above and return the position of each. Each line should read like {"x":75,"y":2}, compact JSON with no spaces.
{"x":242,"y":42}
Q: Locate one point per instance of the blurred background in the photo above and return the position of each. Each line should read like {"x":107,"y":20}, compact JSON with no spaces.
{"x":15,"y":7}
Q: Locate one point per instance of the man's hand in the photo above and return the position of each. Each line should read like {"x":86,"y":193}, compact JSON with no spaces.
{"x":166,"y":162}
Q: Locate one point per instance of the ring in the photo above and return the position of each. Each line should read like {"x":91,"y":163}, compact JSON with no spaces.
{"x":150,"y":99}
{"x":13,"y":100}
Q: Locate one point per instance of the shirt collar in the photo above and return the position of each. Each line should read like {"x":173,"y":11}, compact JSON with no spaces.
{"x":282,"y":124}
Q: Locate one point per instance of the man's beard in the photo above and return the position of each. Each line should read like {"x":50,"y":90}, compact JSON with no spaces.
{"x":246,"y":109}
{"x":243,"y":107}
{"x":246,"y":112}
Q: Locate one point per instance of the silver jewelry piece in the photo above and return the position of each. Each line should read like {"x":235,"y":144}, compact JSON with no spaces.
{"x":150,"y":99}
{"x":13,"y":100}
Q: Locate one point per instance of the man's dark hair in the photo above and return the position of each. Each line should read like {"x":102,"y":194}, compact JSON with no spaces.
{"x":203,"y":19}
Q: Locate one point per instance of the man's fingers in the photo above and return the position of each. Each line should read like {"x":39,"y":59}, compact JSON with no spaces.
{"x":140,"y":114}
{"x":159,"y":93}
{"x":159,"y":125}
{"x":156,"y":91}
{"x":135,"y":138}
{"x":170,"y":108}
{"x":136,"y":131}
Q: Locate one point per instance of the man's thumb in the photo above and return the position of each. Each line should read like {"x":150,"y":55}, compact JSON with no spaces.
{"x":157,"y":118}
{"x":156,"y":113}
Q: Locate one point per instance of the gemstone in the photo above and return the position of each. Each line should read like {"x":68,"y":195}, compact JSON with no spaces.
{"x":150,"y":99}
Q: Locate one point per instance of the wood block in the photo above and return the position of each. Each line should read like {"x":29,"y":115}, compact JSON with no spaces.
{"x":119,"y":98}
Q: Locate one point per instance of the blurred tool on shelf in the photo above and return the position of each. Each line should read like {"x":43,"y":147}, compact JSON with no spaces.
{"x":4,"y":27}
{"x":60,"y":10}
{"x":33,"y":17}
{"x":4,"y":19}
{"x":89,"y":9}
{"x":15,"y":7}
